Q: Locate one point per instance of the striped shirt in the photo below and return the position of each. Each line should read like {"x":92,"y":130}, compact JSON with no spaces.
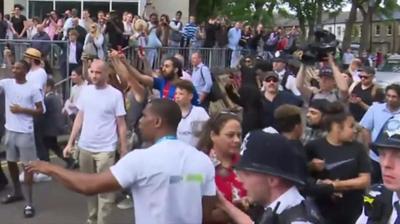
{"x":189,"y":31}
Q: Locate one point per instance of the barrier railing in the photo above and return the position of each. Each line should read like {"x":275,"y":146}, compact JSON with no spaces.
{"x":54,"y":54}
{"x":214,"y":58}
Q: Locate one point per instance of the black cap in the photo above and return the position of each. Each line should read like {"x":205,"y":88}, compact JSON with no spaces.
{"x":389,"y":137}
{"x":271,"y":154}
{"x":270,"y":74}
{"x":280,"y":58}
{"x":368,"y":70}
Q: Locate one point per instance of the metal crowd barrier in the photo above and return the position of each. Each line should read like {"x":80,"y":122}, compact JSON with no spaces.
{"x":214,"y":58}
{"x":54,"y":54}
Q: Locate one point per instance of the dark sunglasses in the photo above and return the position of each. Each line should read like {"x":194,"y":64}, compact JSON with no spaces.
{"x":271,"y":80}
{"x":364,"y":77}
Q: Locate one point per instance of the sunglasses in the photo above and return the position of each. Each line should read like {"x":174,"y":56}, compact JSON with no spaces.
{"x":364,"y":77}
{"x":275,"y":80}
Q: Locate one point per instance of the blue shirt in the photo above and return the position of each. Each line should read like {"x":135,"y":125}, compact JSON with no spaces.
{"x":201,"y":78}
{"x":167,"y":90}
{"x":374,"y":120}
{"x":234,"y":36}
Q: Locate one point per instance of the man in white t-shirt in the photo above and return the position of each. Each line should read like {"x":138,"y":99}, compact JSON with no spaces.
{"x":172,"y":182}
{"x":101,"y":120}
{"x":193,"y":117}
{"x":23,"y":102}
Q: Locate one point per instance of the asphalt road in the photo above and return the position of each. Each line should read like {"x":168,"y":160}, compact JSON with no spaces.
{"x":55,"y":204}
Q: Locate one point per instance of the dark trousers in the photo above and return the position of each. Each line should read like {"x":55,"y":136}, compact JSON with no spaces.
{"x":38,"y":130}
{"x":228,"y":57}
{"x":3,"y":178}
{"x":51,"y":143}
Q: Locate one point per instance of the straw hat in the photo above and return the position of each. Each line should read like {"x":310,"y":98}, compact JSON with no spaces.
{"x":140,"y":23}
{"x":33,"y":53}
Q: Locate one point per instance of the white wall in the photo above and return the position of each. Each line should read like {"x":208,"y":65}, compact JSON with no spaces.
{"x":170,"y":7}
{"x":339,"y":32}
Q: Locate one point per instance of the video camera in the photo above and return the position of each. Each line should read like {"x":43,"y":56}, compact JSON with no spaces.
{"x":324,"y":43}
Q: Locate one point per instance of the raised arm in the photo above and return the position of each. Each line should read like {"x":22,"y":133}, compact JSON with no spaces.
{"x":125,"y":70}
{"x":143,"y":79}
{"x":300,"y":82}
{"x":339,"y":78}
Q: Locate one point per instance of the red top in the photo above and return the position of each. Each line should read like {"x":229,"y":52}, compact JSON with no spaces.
{"x":228,"y":183}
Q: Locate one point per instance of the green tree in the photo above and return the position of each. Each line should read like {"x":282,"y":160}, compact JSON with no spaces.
{"x":251,"y":11}
{"x":309,"y":13}
{"x":369,"y":8}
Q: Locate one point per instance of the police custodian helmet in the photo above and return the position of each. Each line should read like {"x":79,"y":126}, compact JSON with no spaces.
{"x":271,"y":154}
{"x":389,"y":137}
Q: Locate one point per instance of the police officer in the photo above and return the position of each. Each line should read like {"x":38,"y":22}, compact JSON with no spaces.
{"x":270,"y":169}
{"x":381,"y":203}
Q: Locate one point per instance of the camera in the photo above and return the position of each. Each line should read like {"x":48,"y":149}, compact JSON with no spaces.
{"x":324,"y":43}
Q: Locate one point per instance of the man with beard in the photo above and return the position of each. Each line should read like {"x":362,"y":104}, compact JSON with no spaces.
{"x":373,"y":121}
{"x":170,"y":72}
{"x":315,"y":113}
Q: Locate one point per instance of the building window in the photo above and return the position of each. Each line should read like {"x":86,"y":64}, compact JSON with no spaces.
{"x":339,"y":31}
{"x":63,"y":6}
{"x":377,"y":30}
{"x":131,"y":7}
{"x":389,"y":30}
{"x":330,"y":29}
{"x":39,"y":8}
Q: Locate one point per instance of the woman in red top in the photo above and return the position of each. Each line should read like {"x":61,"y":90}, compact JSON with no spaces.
{"x":221,"y":139}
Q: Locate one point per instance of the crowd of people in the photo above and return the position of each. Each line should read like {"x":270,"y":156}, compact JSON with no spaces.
{"x":305,"y":145}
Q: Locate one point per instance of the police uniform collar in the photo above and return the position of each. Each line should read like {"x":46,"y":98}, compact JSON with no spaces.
{"x":281,"y":73}
{"x":289,"y":199}
{"x":395,"y":198}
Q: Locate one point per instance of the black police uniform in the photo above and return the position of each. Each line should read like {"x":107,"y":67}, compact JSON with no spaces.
{"x":378,"y":201}
{"x":272,"y":154}
{"x":378,"y":205}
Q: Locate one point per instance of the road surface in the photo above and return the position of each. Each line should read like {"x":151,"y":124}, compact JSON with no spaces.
{"x":55,"y":204}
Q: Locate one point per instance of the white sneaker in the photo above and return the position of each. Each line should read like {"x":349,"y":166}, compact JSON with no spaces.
{"x":127,"y":203}
{"x":39,"y":177}
{"x":21,"y":177}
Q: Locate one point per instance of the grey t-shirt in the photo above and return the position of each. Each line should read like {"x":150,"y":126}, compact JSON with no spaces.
{"x":134,"y":109}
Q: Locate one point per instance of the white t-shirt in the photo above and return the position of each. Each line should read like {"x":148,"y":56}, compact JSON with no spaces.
{"x":167,"y":181}
{"x":190,"y":126}
{"x":100,"y":107}
{"x":25,"y":95}
{"x":38,"y":78}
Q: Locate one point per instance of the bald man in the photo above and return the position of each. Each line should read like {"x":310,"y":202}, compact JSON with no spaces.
{"x":101,"y":122}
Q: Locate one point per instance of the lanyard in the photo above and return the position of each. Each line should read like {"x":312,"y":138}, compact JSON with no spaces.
{"x":167,"y":137}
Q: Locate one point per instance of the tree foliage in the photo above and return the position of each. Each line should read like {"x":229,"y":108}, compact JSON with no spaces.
{"x":308,"y":12}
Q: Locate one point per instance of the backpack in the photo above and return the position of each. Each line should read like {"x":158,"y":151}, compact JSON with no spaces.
{"x":215,"y":92}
